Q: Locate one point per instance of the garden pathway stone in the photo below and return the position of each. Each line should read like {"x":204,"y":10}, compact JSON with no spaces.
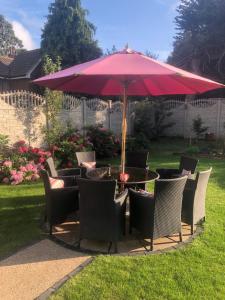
{"x":31,"y":271}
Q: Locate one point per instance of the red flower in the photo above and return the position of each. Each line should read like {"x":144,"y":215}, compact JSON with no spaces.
{"x":41,"y":160}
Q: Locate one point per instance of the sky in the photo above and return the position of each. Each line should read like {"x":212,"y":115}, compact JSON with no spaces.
{"x":143,"y":25}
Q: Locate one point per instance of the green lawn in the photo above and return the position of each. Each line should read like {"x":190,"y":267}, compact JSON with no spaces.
{"x":195,"y":272}
{"x":20,"y":210}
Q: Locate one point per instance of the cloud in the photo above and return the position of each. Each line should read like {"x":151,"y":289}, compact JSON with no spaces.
{"x":24,"y":35}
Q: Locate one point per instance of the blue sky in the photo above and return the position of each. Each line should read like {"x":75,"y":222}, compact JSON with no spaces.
{"x":144,"y":24}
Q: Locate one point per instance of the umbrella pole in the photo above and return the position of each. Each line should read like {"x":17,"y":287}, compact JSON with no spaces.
{"x":124,"y":130}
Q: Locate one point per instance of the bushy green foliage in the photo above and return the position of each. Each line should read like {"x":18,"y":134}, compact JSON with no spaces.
{"x":53,"y":99}
{"x":105,"y":143}
{"x":8,"y":40}
{"x":198,"y":127}
{"x":68,"y":34}
{"x":200,"y":41}
{"x":192,"y":150}
{"x":150,"y":120}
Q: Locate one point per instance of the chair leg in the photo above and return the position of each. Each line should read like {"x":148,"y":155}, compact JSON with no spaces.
{"x":181,"y":236}
{"x":192,"y":229}
{"x":151,"y":245}
{"x":116,"y":247}
{"x":130,"y":229}
{"x":110,"y":245}
{"x":78,"y":243}
{"x":50,"y":229}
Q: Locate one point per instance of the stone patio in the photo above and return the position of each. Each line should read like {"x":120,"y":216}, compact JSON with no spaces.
{"x":68,"y":234}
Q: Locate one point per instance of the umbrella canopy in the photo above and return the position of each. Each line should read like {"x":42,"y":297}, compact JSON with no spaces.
{"x":127,"y":73}
{"x":142,"y":75}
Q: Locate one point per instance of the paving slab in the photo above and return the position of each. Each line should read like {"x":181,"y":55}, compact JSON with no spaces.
{"x":31,"y":271}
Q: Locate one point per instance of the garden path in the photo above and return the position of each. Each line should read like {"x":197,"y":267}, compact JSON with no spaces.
{"x":30,"y":272}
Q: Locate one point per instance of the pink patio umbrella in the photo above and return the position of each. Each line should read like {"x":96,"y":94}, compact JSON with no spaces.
{"x":127,"y":73}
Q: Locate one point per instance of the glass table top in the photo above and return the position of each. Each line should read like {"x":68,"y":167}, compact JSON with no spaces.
{"x":136,"y":175}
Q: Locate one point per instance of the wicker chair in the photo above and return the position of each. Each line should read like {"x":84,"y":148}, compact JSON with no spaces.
{"x":102,"y":216}
{"x":158,"y":215}
{"x":193,"y":206}
{"x":68,"y":175}
{"x":59,"y":202}
{"x":137,"y":159}
{"x":186,"y":163}
{"x":88,"y":156}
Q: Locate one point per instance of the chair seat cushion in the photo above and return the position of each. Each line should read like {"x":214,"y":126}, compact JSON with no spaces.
{"x":56,"y":183}
{"x":88,"y":164}
{"x":185,"y":172}
{"x":145,"y":193}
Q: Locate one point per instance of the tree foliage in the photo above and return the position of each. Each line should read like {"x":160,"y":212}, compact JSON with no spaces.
{"x":200,"y":42}
{"x":69,"y":34}
{"x":151,"y":121}
{"x":53,"y":103}
{"x":198,"y":127}
{"x":8,"y":40}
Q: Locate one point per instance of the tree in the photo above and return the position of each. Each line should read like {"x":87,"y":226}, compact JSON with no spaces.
{"x":198,"y":127}
{"x":151,"y":121}
{"x":8,"y":41}
{"x":68,"y":34}
{"x":53,"y":103}
{"x":200,"y":42}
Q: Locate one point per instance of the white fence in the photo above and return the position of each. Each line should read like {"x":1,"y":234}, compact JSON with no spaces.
{"x":22,"y":117}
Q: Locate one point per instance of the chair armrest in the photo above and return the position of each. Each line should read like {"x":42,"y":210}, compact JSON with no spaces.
{"x":69,"y":172}
{"x":65,"y":189}
{"x":170,"y":170}
{"x":69,"y":181}
{"x":122,"y":197}
{"x":101,"y":165}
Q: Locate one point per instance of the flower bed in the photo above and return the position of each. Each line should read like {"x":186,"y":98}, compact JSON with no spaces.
{"x":22,"y":163}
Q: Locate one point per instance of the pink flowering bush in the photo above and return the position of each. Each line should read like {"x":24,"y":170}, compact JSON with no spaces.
{"x":23,"y":164}
{"x":69,"y":143}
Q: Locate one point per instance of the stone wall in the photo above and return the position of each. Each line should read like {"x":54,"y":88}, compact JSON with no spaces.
{"x":22,"y":117}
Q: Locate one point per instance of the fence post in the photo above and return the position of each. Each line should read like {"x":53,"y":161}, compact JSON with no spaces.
{"x":109,"y":113}
{"x":218,"y":119}
{"x":84,"y":115}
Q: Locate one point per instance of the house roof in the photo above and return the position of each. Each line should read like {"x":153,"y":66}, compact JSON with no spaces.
{"x":21,"y":66}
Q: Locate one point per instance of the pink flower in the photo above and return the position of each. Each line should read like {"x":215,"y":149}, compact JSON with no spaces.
{"x":7,"y":163}
{"x":22,"y":149}
{"x":48,"y":153}
{"x":23,"y":169}
{"x":41,"y":160}
{"x":35,"y":177}
{"x":5,"y":180}
{"x":13,"y":172}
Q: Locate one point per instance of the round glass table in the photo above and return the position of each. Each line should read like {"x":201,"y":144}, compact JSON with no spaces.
{"x":136,"y":175}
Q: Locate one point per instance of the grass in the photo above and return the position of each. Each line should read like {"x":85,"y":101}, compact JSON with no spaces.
{"x":20,"y":211}
{"x":195,"y":272}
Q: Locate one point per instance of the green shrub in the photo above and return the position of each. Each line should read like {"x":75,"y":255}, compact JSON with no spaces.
{"x":104,"y":141}
{"x":150,"y":120}
{"x":192,"y":150}
{"x":198,"y":127}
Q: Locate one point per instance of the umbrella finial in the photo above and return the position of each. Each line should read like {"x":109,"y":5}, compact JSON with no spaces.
{"x":126,"y":46}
